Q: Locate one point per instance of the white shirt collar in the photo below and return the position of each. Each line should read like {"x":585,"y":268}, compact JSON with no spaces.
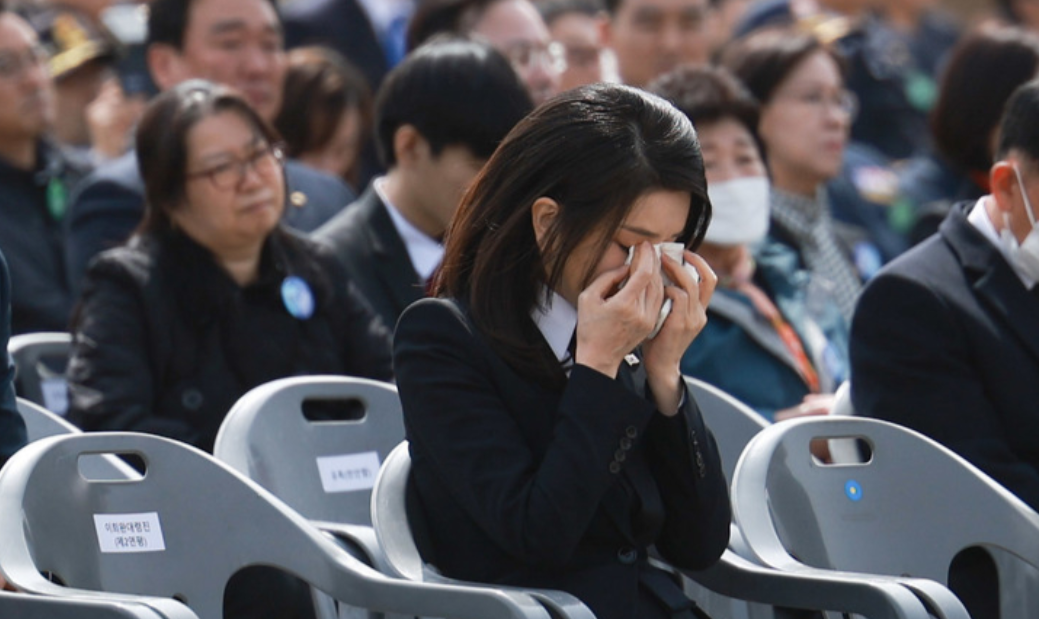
{"x":557,"y":320}
{"x":979,"y":218}
{"x":424,"y":251}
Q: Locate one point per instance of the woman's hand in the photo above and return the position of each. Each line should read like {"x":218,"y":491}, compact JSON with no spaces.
{"x":813,"y":404}
{"x":609,"y":326}
{"x":663,"y":353}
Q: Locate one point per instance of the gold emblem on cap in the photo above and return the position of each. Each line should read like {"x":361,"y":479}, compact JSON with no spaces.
{"x":298,"y":199}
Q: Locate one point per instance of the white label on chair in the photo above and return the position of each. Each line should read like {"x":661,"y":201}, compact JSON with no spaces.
{"x":55,"y":395}
{"x":129,"y":532}
{"x":348,"y":473}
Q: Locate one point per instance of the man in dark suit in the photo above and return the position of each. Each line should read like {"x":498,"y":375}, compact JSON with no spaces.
{"x":439,"y":115}
{"x":233,"y":42}
{"x":945,"y":339}
{"x":35,"y":175}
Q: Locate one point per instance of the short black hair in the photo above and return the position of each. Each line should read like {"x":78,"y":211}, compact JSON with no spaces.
{"x":433,"y":17}
{"x":707,"y":95}
{"x":454,"y":91}
{"x":612,"y":5}
{"x":1019,"y":128}
{"x":168,"y":21}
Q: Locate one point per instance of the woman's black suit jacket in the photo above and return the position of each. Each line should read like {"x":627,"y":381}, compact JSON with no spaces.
{"x":518,"y":484}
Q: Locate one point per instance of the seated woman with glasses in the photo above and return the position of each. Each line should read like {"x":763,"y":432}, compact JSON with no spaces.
{"x":211,"y":296}
{"x":805,"y":120}
{"x":552,"y":438}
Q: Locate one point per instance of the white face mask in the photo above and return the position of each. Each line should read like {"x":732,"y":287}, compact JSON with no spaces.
{"x":739,"y":211}
{"x":1025,"y":255}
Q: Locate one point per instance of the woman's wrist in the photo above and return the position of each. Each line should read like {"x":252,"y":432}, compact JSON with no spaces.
{"x":666,"y":388}
{"x":599,"y":363}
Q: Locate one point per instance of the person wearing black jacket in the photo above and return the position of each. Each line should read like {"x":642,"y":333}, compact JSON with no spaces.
{"x":552,"y":440}
{"x":212,"y":296}
{"x":36,"y":178}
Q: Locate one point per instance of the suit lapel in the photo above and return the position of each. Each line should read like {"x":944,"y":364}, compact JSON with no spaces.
{"x":393,"y":268}
{"x":993,"y":280}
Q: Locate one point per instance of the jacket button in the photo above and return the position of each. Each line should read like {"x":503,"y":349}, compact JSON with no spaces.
{"x":615,"y":467}
{"x":627,"y":556}
{"x":620,"y":455}
{"x":625,"y":443}
{"x":631,"y":431}
{"x":191,"y":399}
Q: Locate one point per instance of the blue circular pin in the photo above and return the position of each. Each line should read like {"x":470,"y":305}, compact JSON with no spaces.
{"x":298,"y":298}
{"x":853,"y":490}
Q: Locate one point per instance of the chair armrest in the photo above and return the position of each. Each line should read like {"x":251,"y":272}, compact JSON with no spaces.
{"x":165,"y":608}
{"x":559,"y":604}
{"x":29,"y":606}
{"x":875,"y":597}
{"x":358,"y":540}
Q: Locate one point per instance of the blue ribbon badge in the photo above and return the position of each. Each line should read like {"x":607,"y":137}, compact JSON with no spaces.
{"x":298,"y":298}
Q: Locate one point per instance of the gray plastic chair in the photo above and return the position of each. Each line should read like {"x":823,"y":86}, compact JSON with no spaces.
{"x":323,"y":469}
{"x":906,"y":512}
{"x":41,"y":423}
{"x":733,"y":576}
{"x":737,"y":586}
{"x":390,"y":519}
{"x":39,"y":361}
{"x":25,"y":606}
{"x":181,"y":532}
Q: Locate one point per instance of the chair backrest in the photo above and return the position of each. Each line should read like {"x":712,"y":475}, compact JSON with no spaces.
{"x":182,"y":530}
{"x":732,"y":422}
{"x":40,"y":360}
{"x":41,"y":423}
{"x":393,"y":530}
{"x":390,"y":516}
{"x":908,"y":509}
{"x":323,"y":469}
{"x":844,"y":451}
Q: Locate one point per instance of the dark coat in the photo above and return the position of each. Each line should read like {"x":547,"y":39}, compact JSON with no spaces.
{"x":945,"y":340}
{"x":34,"y":238}
{"x":109,"y":204}
{"x":165,"y":342}
{"x":365,"y":240}
{"x":12,"y":428}
{"x":523,"y":485}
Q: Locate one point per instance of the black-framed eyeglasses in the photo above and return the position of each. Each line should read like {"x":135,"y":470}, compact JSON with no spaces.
{"x":266,"y":160}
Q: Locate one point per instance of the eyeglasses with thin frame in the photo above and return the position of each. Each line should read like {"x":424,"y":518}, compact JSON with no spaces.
{"x":527,"y":55}
{"x":13,"y":64}
{"x":842,"y":100}
{"x":266,"y":161}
